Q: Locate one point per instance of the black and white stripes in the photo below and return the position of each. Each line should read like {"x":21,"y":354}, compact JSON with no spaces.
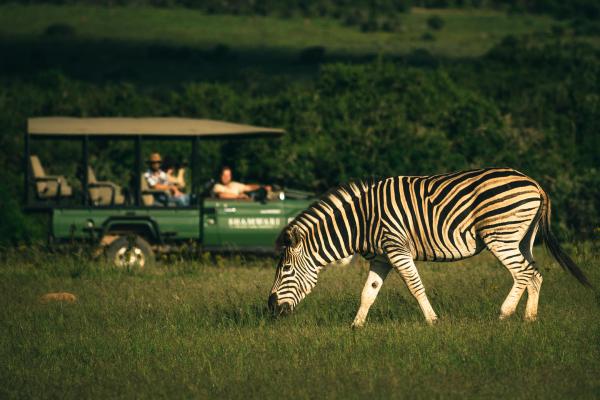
{"x":395,"y":221}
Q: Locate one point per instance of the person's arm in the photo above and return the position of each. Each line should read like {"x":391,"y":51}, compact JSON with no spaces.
{"x":177,"y":180}
{"x":231,"y":196}
{"x":161,"y":186}
{"x":254,"y":186}
{"x":222,"y":193}
{"x":153,"y":182}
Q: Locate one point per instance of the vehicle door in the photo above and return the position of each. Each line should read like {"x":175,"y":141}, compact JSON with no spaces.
{"x":243,"y":224}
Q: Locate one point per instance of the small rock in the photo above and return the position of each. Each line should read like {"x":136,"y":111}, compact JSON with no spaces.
{"x":58,"y":296}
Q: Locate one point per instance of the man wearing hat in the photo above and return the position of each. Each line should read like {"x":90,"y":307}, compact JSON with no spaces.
{"x":159,"y":180}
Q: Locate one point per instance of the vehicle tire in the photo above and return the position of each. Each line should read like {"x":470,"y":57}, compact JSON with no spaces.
{"x":130,"y":252}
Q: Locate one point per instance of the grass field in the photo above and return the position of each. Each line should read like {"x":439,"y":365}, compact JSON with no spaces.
{"x":466,"y":33}
{"x":201,"y":329}
{"x":152,"y":45}
{"x":193,"y":329}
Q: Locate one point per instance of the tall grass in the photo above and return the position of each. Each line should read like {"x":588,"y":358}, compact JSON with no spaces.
{"x":194,"y":329}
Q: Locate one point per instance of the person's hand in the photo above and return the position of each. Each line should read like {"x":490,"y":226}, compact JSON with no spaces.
{"x":174,"y":191}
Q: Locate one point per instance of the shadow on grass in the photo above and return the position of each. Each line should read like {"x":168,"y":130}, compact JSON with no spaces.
{"x":337,"y":311}
{"x":153,"y":63}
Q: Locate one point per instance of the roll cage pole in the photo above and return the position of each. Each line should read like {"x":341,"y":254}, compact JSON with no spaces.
{"x":137,"y":185}
{"x":85,"y":158}
{"x":58,"y":127}
{"x":193,"y":164}
{"x":26,"y":169}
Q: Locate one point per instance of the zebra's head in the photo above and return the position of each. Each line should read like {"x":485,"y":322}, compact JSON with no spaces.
{"x":296,"y":272}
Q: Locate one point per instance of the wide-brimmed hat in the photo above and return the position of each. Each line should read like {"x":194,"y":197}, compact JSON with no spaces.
{"x":154,"y":157}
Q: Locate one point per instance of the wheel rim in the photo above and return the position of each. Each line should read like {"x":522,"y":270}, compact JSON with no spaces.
{"x":128,"y":257}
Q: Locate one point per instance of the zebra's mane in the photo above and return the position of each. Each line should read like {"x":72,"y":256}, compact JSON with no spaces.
{"x":344,"y":192}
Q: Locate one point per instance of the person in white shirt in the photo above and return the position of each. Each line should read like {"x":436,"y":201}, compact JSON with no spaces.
{"x":159,"y":180}
{"x":227,"y":188}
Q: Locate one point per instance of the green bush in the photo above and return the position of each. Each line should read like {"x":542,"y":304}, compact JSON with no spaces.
{"x":586,"y":27}
{"x":523,"y":105}
{"x":391,"y":24}
{"x":16,"y":227}
{"x":428,"y":37}
{"x":312,"y":55}
{"x":589,"y":9}
{"x":304,"y":8}
{"x":435,"y":22}
{"x":59,"y":30}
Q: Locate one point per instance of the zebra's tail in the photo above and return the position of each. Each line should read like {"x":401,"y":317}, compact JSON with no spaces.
{"x":552,"y":244}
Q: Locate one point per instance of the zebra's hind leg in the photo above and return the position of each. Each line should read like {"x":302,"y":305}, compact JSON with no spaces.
{"x":524,"y":274}
{"x":535,"y":284}
{"x":533,"y":296}
{"x":403,"y":262}
{"x":378,"y":271}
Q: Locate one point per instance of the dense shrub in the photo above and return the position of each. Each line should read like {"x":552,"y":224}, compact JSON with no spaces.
{"x":59,"y":30}
{"x":535,"y":108}
{"x":312,"y":55}
{"x":589,"y":9}
{"x":15,"y":227}
{"x":586,"y":27}
{"x":372,"y":20}
{"x":356,"y":13}
{"x":428,"y":37}
{"x":435,"y":22}
{"x":392,"y":23}
{"x":288,"y":8}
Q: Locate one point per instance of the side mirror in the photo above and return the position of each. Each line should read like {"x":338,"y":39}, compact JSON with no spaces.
{"x":259,"y":195}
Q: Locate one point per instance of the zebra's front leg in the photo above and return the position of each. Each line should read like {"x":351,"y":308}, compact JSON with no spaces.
{"x":405,"y":265}
{"x":378,"y":271}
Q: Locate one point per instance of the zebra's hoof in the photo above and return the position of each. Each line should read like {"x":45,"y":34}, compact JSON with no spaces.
{"x":357,"y":325}
{"x":432,"y":322}
{"x":530,"y":318}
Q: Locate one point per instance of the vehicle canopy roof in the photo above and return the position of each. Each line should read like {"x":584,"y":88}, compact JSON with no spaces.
{"x":157,"y":127}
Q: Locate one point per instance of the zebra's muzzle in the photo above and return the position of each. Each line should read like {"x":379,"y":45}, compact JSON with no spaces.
{"x":278,"y":309}
{"x":272,"y":302}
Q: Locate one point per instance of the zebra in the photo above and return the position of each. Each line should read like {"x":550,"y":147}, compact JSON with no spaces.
{"x":399,"y":220}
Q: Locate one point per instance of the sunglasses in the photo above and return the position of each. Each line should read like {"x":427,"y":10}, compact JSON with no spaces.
{"x":155,"y":162}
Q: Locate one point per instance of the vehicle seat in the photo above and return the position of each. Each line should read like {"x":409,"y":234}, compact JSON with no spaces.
{"x":48,"y":186}
{"x":103,"y":193}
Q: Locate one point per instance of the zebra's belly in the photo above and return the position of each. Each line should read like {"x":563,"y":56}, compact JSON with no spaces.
{"x":464,"y":246}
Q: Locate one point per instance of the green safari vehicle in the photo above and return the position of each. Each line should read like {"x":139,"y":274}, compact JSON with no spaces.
{"x":124,"y":221}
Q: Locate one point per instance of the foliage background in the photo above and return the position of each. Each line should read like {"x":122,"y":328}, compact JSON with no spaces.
{"x":531,"y":102}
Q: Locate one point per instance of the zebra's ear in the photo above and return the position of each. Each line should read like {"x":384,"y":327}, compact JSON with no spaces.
{"x":289,"y":237}
{"x":294,"y":236}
